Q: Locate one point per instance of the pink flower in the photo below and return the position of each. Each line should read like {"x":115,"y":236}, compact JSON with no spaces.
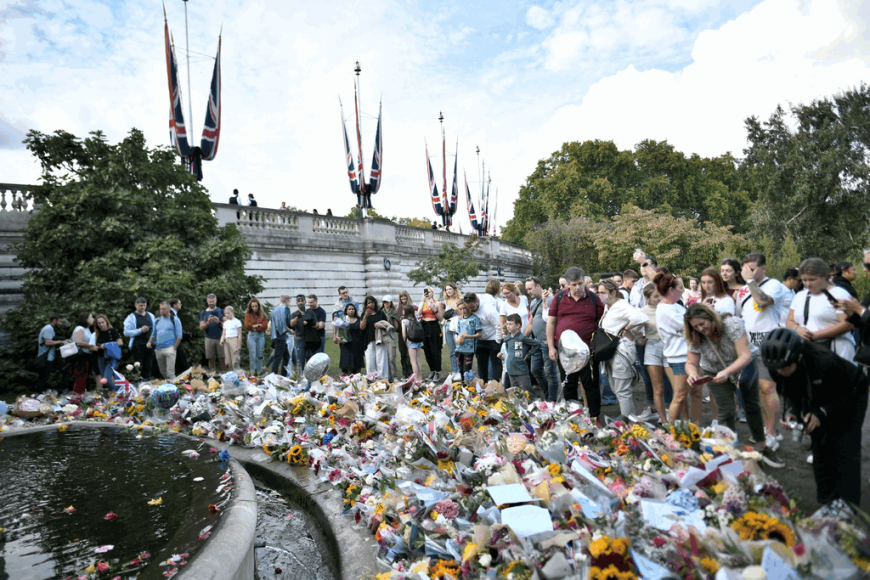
{"x":102,"y":567}
{"x":658,"y":541}
{"x":799,"y":550}
{"x":111,"y":516}
{"x":447,"y":508}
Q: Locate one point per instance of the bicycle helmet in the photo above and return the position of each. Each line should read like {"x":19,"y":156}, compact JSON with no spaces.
{"x":781,"y":348}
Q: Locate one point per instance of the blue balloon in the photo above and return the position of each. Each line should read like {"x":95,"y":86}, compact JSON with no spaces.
{"x":4,"y":408}
{"x":164,"y":396}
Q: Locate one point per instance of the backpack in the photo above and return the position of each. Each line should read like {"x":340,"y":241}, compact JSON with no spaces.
{"x":415,"y":330}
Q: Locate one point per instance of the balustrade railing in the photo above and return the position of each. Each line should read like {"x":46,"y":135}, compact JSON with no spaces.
{"x":336,"y":226}
{"x":15,"y":197}
{"x":255,"y":217}
{"x":410,"y":235}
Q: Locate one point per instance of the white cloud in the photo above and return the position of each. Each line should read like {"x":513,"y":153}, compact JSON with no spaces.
{"x":590,"y":71}
{"x":539,"y":18}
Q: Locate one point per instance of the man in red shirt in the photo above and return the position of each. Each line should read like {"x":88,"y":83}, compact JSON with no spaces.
{"x":579,"y":310}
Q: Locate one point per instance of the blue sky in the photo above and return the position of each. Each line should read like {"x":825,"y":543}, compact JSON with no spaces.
{"x":517,"y":80}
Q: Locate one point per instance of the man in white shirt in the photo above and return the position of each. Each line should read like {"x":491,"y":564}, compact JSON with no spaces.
{"x":759,"y":302}
{"x":489,"y":343}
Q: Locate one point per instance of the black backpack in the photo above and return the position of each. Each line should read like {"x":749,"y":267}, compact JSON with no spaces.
{"x":415,"y":330}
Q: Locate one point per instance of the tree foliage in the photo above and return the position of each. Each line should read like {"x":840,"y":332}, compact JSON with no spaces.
{"x":115,"y":222}
{"x":595,"y":180}
{"x":451,"y":264}
{"x":810,"y":168}
{"x":562,"y":243}
{"x":679,"y":243}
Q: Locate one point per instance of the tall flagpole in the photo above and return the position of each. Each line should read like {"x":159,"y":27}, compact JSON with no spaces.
{"x":189,"y":94}
{"x":445,"y":217}
{"x":477,"y":149}
{"x":494,"y":213}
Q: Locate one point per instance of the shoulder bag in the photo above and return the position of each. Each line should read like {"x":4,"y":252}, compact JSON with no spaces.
{"x":69,"y":349}
{"x":825,"y":342}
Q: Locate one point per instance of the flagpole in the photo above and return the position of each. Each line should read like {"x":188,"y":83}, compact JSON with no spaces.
{"x":495,"y":212}
{"x":189,"y":94}
{"x":362,"y":180}
{"x":445,"y":217}
{"x":477,"y":149}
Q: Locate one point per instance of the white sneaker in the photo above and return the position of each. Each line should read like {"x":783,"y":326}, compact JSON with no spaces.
{"x":647,"y":414}
{"x":771,"y":442}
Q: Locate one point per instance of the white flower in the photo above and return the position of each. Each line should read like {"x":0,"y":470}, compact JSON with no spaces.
{"x":485,"y":560}
{"x":129,"y":367}
{"x":136,"y":364}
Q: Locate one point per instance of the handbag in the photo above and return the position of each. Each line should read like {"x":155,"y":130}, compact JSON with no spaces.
{"x":604,"y":344}
{"x":69,"y":349}
{"x":38,"y":364}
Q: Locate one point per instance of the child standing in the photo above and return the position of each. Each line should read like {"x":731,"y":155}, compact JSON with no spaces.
{"x":231,"y":338}
{"x":409,"y":322}
{"x":515,"y":351}
{"x":468,"y":330}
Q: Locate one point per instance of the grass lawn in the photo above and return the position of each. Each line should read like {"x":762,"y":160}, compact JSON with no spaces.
{"x":333,"y":351}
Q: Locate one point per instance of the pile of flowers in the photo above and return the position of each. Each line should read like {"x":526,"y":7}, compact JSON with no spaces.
{"x":421,"y":467}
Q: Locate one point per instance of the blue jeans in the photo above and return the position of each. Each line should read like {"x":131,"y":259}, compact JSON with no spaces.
{"x":608,"y":397}
{"x":107,"y":364}
{"x":256,"y":348}
{"x":299,"y":351}
{"x":451,"y":345}
{"x":545,"y":372}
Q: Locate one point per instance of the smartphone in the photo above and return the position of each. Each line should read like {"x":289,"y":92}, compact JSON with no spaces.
{"x":830,"y":298}
{"x":425,"y":293}
{"x":702,"y":380}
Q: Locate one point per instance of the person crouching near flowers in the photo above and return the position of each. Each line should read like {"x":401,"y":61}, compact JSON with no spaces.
{"x":829,"y":395}
{"x":718,"y":347}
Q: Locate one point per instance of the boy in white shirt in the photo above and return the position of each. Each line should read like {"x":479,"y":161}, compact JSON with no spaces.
{"x":232,"y":338}
{"x":759,"y":302}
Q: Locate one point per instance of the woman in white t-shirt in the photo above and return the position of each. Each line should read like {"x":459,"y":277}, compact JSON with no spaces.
{"x":813,"y":316}
{"x":670,"y":324}
{"x":713,"y":292}
{"x":512,"y":305}
{"x":231,"y":339}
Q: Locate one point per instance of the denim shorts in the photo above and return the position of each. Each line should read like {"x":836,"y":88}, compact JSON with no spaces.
{"x":654,"y":354}
{"x":415,"y":345}
{"x":678,"y":368}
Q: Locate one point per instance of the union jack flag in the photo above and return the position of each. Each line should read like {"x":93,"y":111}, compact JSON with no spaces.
{"x":433,"y":187}
{"x":375,"y":178}
{"x":454,"y":193}
{"x":211,"y":129}
{"x":178,"y":137}
{"x":472,"y":215}
{"x":123,"y":388}
{"x":351,"y":166}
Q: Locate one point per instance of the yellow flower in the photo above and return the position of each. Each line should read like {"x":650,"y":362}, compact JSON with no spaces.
{"x":447,"y":465}
{"x":471,"y":550}
{"x":158,"y":501}
{"x":434,"y":515}
{"x":90,"y":569}
{"x":555,"y":469}
{"x":619,"y":546}
{"x":709,"y":564}
{"x":599,"y":547}
{"x":62,"y":428}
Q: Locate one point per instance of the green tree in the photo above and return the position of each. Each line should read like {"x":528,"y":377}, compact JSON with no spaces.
{"x":115,"y":222}
{"x":810,"y":168}
{"x":677,"y":242}
{"x":452,"y":264}
{"x":562,"y":243}
{"x":595,"y":180}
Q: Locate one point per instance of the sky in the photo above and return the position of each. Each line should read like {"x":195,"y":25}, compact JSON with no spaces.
{"x":514,"y":79}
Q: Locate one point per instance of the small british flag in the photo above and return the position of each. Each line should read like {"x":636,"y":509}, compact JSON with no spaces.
{"x":123,"y":388}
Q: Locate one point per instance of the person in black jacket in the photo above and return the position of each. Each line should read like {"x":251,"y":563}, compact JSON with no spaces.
{"x":234,"y":200}
{"x":844,"y":274}
{"x":829,"y":395}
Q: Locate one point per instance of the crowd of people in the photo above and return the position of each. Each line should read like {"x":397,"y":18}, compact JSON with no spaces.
{"x":750,"y":341}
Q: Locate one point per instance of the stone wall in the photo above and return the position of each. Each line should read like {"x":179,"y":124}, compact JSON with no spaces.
{"x":301,"y":253}
{"x":307,"y":253}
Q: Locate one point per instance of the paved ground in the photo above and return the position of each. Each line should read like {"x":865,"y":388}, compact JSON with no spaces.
{"x":797,"y":476}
